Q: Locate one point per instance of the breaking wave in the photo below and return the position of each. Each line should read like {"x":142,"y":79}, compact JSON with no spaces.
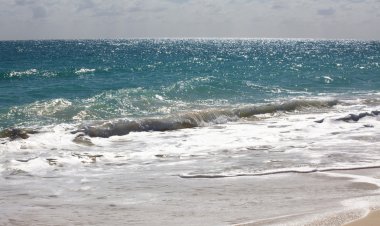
{"x":196,"y":119}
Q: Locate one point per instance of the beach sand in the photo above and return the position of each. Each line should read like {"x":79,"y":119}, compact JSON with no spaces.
{"x":355,"y":207}
{"x":372,"y":219}
{"x":362,"y":180}
{"x":366,"y":179}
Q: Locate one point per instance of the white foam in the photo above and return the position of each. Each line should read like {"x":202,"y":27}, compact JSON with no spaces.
{"x":84,"y":70}
{"x":272,"y":142}
{"x":328,"y":79}
{"x":37,"y":166}
{"x":356,"y":178}
{"x":277,"y":149}
{"x":23,"y":73}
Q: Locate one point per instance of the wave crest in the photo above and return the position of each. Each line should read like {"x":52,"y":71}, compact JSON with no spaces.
{"x":196,"y":119}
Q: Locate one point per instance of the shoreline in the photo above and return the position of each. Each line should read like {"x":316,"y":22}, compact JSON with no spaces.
{"x":338,"y":198}
{"x":355,"y":210}
{"x":371,"y":219}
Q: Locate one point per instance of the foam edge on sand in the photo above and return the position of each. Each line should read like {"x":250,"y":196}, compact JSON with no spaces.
{"x":371,"y":219}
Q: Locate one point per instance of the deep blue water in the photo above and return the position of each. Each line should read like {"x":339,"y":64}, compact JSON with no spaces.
{"x":44,"y":82}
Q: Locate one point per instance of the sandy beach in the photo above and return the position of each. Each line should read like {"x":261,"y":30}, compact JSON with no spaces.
{"x":372,"y":219}
{"x":358,"y":210}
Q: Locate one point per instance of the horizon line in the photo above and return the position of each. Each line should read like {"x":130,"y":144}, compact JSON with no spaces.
{"x":191,"y":38}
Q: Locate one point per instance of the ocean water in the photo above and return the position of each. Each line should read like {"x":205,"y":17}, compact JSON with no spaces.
{"x":101,"y":116}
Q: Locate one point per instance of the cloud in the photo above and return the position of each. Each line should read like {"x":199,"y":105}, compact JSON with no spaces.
{"x":36,"y":19}
{"x":326,"y":12}
{"x":179,"y":1}
{"x":39,"y":12}
{"x":85,"y":4}
{"x":279,"y":6}
{"x":24,"y":2}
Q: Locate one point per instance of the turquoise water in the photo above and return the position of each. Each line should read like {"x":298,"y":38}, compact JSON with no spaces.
{"x":48,"y":82}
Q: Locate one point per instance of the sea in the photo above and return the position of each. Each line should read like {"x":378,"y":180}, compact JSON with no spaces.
{"x":184,"y":131}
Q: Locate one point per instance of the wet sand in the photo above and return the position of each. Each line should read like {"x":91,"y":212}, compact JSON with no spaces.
{"x":364,"y":184}
{"x":287,"y":199}
{"x":372,"y":219}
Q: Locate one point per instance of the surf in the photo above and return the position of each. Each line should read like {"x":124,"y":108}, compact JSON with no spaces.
{"x":196,"y":118}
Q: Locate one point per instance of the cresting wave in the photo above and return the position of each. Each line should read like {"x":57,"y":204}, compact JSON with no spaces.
{"x":195,"y":119}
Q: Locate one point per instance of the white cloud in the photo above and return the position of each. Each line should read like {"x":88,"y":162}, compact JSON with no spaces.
{"x":30,"y":19}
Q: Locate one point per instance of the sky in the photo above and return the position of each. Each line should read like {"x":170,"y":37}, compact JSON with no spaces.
{"x":113,"y":19}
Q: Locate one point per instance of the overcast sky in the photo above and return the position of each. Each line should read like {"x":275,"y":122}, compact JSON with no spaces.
{"x":78,"y":19}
